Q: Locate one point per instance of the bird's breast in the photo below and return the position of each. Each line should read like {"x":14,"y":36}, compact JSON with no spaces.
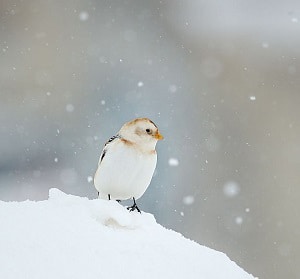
{"x":125,"y":172}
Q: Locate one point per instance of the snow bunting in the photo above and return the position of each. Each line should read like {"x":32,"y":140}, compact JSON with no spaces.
{"x":127,"y":162}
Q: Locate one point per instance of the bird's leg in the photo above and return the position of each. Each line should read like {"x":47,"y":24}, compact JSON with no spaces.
{"x":98,"y":194}
{"x":134,"y":206}
{"x":109,"y":198}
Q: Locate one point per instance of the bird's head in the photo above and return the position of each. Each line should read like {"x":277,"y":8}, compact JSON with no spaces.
{"x":141,"y":131}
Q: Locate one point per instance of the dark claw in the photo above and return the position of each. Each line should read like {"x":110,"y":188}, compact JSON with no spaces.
{"x":134,"y":207}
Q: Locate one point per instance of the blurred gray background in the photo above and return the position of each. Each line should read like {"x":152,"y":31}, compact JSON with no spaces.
{"x":219,"y":78}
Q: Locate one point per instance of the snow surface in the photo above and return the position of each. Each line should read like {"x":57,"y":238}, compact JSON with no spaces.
{"x":73,"y":237}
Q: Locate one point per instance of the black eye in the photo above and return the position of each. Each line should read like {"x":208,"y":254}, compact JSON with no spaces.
{"x":148,"y":131}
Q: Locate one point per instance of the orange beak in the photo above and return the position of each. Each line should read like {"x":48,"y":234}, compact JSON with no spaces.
{"x":158,"y":136}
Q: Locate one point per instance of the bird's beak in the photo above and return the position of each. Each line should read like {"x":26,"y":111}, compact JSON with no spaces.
{"x":158,"y":136}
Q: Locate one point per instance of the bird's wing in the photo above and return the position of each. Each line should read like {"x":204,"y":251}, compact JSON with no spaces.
{"x":106,"y":147}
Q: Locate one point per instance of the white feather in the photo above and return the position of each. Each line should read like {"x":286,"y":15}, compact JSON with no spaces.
{"x":124,"y":173}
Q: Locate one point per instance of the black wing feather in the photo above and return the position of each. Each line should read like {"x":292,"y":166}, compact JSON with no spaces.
{"x":105,"y":147}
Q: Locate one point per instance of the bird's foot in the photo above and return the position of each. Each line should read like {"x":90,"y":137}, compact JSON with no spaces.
{"x":134,"y":207}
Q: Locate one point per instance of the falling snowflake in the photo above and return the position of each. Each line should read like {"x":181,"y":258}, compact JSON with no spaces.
{"x":173,"y":162}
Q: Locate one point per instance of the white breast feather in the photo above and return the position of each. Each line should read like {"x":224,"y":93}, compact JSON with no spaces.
{"x":124,"y":172}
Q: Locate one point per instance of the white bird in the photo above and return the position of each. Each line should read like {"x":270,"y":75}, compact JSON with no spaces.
{"x":128,"y":161}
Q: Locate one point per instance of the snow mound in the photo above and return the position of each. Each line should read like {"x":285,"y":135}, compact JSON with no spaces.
{"x":73,"y":237}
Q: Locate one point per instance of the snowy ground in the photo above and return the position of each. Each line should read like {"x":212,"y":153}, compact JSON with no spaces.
{"x":72,"y":237}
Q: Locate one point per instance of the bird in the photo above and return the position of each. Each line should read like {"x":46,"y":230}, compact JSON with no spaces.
{"x":127,"y":162}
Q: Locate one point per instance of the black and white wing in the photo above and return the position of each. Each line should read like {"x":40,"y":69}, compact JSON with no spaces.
{"x":106,"y":147}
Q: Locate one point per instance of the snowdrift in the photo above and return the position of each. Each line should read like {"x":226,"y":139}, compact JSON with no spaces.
{"x":73,"y":237}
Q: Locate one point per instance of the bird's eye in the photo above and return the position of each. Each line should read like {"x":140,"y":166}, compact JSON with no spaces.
{"x":148,"y":131}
